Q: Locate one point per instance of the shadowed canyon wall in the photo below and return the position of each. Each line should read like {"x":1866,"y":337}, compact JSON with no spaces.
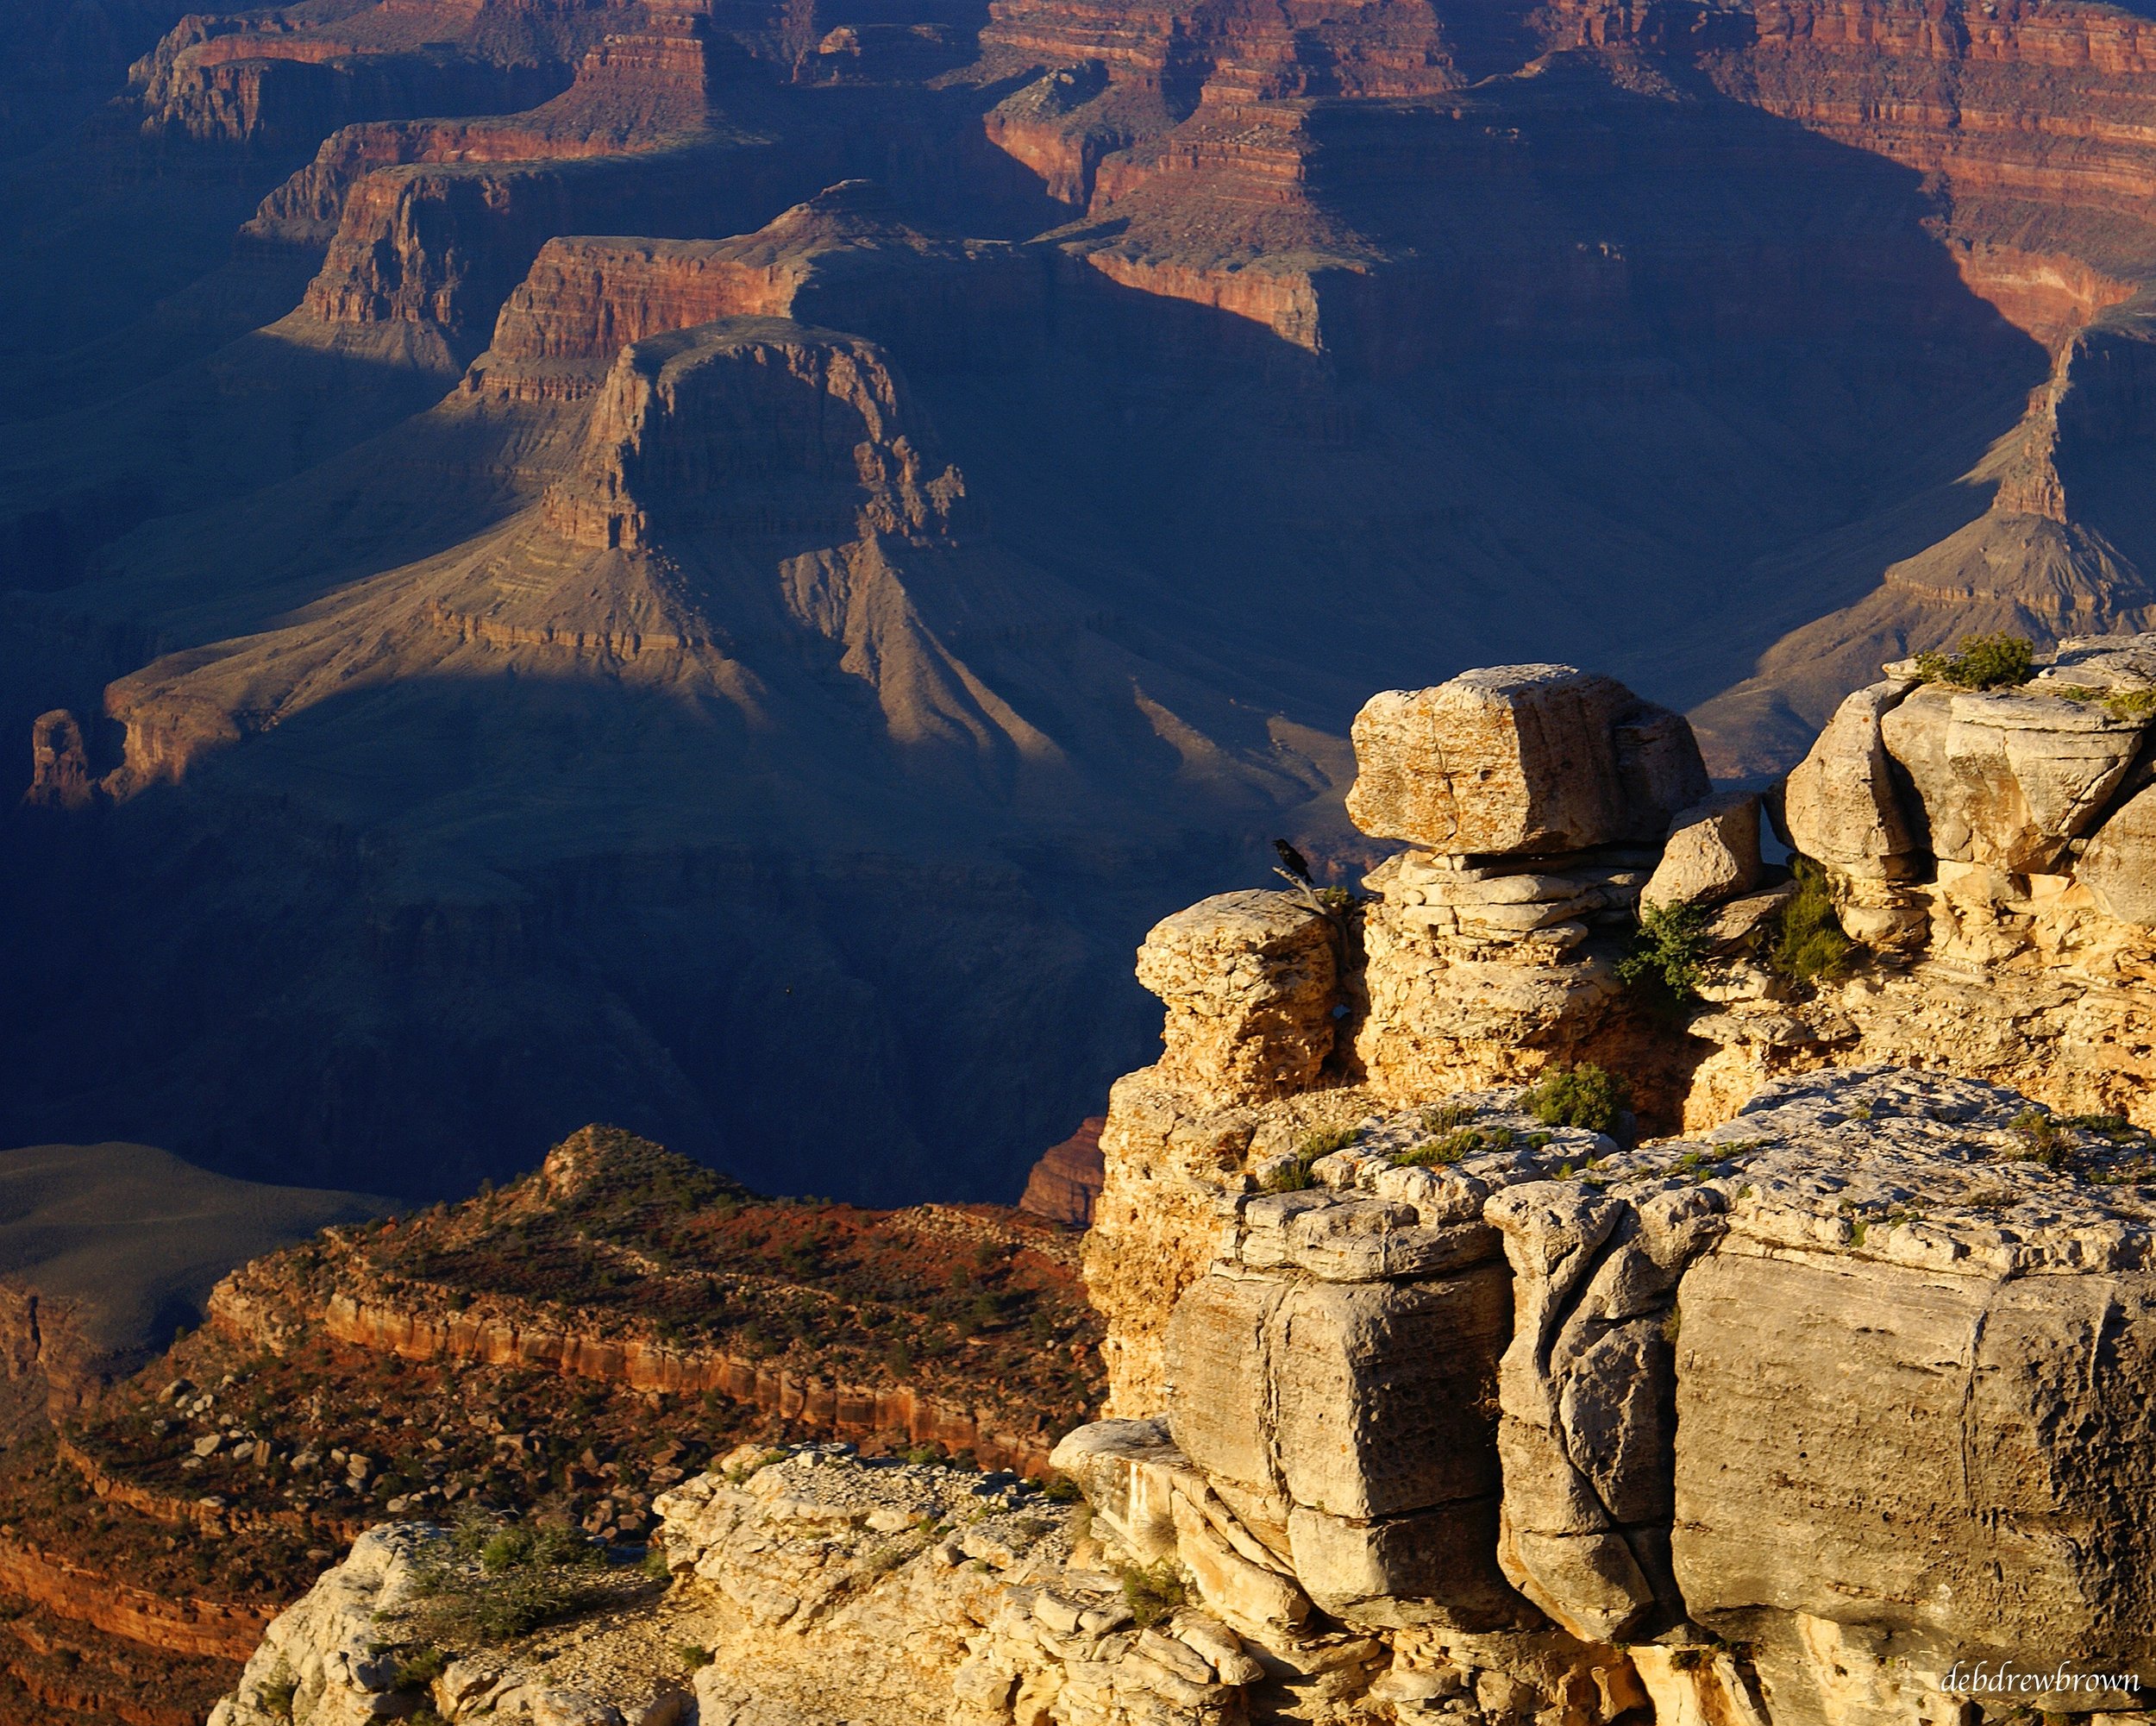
{"x":456,"y":721}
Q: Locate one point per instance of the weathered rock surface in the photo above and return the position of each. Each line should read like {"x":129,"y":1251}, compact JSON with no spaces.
{"x":1712,"y":854}
{"x":821,"y":1588}
{"x":2119,"y":866}
{"x":1524,"y":758}
{"x":2006,"y":778}
{"x":1840,"y":803}
{"x":1356,"y":1374}
{"x":1249,"y":980}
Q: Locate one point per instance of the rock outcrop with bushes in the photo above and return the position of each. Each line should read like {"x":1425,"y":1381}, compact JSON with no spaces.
{"x":1597,"y":1276}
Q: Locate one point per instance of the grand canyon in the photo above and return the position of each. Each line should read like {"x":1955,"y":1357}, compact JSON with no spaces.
{"x":620,"y":615}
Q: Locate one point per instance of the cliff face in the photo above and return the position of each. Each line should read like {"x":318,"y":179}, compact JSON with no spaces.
{"x":1983,"y":850}
{"x":1439,"y":1402}
{"x":154,"y":1519}
{"x":1561,"y":1422}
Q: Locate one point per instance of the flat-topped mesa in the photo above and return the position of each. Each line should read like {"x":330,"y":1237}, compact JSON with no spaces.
{"x":840,"y":260}
{"x":1506,"y":1400}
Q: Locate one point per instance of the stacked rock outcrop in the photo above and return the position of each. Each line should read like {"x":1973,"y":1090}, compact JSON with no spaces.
{"x":1468,"y":1404}
{"x":1778,"y":1422}
{"x":1983,"y":850}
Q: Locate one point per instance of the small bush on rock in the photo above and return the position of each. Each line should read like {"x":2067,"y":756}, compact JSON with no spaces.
{"x":1455,"y":1146}
{"x":1586,"y":1097}
{"x":1808,"y":944}
{"x":526,"y":1577}
{"x":1293,"y":1175}
{"x":278,"y":1694}
{"x":1153,"y":1592}
{"x":1669,"y":955}
{"x":2042,"y":1140}
{"x":1982,"y":662}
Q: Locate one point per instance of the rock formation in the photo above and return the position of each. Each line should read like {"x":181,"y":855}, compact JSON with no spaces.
{"x":1981,"y":848}
{"x":809,"y":1585}
{"x":1064,"y":1183}
{"x":1383,"y":279}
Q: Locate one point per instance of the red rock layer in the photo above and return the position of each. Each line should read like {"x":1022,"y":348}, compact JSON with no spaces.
{"x":1305,"y":47}
{"x":216,"y":1629}
{"x":164,"y":1507}
{"x":2031,"y":103}
{"x":1066,"y":1180}
{"x":535,"y":1337}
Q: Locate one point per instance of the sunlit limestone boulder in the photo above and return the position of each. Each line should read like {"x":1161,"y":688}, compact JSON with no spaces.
{"x":1520,"y":758}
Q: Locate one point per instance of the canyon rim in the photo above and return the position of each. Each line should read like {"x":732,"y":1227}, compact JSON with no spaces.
{"x":619,"y":617}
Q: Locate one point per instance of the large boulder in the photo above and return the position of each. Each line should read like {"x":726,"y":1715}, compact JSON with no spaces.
{"x":1961,"y":1465}
{"x":2118,"y":865}
{"x":2007,"y":777}
{"x":1841,"y":806}
{"x":1521,"y":759}
{"x":1712,"y":853}
{"x":1250,"y":979}
{"x":1357,"y":1417}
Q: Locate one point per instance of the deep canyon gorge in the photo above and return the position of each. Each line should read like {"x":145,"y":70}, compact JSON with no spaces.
{"x":566,"y":559}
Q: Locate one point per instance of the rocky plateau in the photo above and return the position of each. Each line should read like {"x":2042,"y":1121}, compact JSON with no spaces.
{"x":1445,"y":1387}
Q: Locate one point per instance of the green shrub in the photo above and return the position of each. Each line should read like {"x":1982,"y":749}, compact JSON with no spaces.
{"x":526,"y":1577}
{"x":1153,"y":1592}
{"x":1294,"y":1176}
{"x":1808,"y":944}
{"x":1326,"y":1140}
{"x":694,"y":1656}
{"x":1452,"y":1147}
{"x":2042,"y":1140}
{"x":415,"y":1671}
{"x":1442,"y":1115}
{"x":1668,"y":954}
{"x":278,"y":1692}
{"x":1982,"y":662}
{"x":1585,"y":1096}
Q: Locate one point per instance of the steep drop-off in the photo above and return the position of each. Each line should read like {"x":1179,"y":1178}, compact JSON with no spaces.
{"x":507,"y":731}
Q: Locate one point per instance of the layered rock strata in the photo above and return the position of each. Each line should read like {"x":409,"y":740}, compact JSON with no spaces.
{"x":1771,"y":1418}
{"x":1983,"y":850}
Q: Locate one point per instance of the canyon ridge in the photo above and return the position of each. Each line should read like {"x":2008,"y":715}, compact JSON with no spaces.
{"x":563,"y":560}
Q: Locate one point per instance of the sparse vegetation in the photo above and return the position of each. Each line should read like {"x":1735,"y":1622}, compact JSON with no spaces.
{"x":1452,"y":1147}
{"x":2042,"y":1139}
{"x":2129,"y":706}
{"x":1586,"y":1097}
{"x":694,"y":1656}
{"x":1808,"y":944}
{"x":1668,"y":960}
{"x":278,"y":1694}
{"x":1982,"y":662}
{"x":417,"y":1671}
{"x":1293,"y":1174}
{"x":526,"y":1577}
{"x":1153,"y":1592}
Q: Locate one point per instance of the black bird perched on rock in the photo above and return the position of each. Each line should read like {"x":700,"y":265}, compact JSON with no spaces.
{"x":1298,"y":864}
